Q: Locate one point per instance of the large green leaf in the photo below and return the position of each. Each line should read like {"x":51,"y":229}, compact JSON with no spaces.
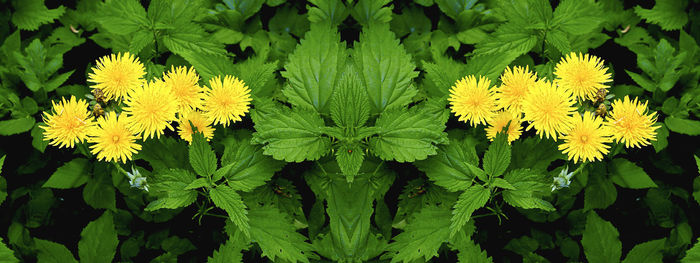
{"x":30,"y":14}
{"x":314,"y":68}
{"x":600,"y":240}
{"x":626,"y":174}
{"x":349,"y":106}
{"x":692,"y":254}
{"x":245,"y":167}
{"x":51,"y":252}
{"x":368,"y":12}
{"x":497,"y":157}
{"x":171,"y":189}
{"x":385,"y":69}
{"x":277,"y":237}
{"x":472,"y":199}
{"x":454,"y":167}
{"x":15,"y":126}
{"x":683,"y":126}
{"x":227,"y":199}
{"x":98,"y":240}
{"x":99,"y":192}
{"x":122,"y":17}
{"x":600,"y":191}
{"x":525,"y":195}
{"x":669,"y":14}
{"x":71,"y":175}
{"x":577,"y":17}
{"x":6,"y":254}
{"x":647,"y":252}
{"x":407,"y":135}
{"x":423,"y":236}
{"x":228,"y":252}
{"x":330,"y":12}
{"x":202,"y":157}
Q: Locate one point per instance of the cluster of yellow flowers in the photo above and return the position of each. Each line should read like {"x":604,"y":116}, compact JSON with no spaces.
{"x":550,"y":108}
{"x":147,"y":108}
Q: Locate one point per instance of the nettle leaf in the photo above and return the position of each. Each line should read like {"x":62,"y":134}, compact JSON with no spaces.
{"x":172,"y":190}
{"x":98,"y":240}
{"x":331,"y":12}
{"x":289,"y":135}
{"x":669,"y":14}
{"x":314,"y":68}
{"x":191,"y":37}
{"x":525,"y":195}
{"x":423,"y":236}
{"x":489,"y":65}
{"x":509,"y":37}
{"x":245,"y":167}
{"x":472,"y":199}
{"x":453,"y":8}
{"x":407,"y":135}
{"x":628,"y":175}
{"x":577,"y":17}
{"x":122,"y":17}
{"x":37,"y":68}
{"x":600,"y":240}
{"x":453,"y":167}
{"x":650,"y":251}
{"x":385,"y":69}
{"x":259,"y":75}
{"x":368,"y":12}
{"x":534,"y":154}
{"x":497,"y":157}
{"x":692,"y":254}
{"x":600,"y":191}
{"x":202,"y":157}
{"x":228,"y":252}
{"x":164,"y":153}
{"x":349,"y":106}
{"x":99,"y":191}
{"x":71,"y":175}
{"x":7,"y":255}
{"x":48,"y":251}
{"x":349,"y":158}
{"x":209,"y":66}
{"x":443,"y":72}
{"x":30,"y":14}
{"x":277,"y":236}
{"x":227,"y":199}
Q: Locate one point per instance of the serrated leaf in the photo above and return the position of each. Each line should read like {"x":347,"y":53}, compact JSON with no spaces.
{"x":246,"y":167}
{"x":227,"y":199}
{"x":51,"y":252}
{"x":647,"y":252}
{"x":287,"y":20}
{"x":453,"y":8}
{"x":314,"y":68}
{"x":170,"y":187}
{"x":277,"y":237}
{"x":98,"y":240}
{"x":349,"y":106}
{"x":692,"y":254}
{"x":15,"y":126}
{"x":600,"y":240}
{"x":122,"y":17}
{"x":559,"y":40}
{"x":349,"y":158}
{"x":472,"y":199}
{"x":164,"y":154}
{"x":99,"y":192}
{"x":497,"y":157}
{"x":290,"y":135}
{"x":227,"y":252}
{"x":628,"y":175}
{"x":30,"y":14}
{"x":600,"y":192}
{"x":489,"y":65}
{"x":423,"y":236}
{"x":331,"y":12}
{"x":71,"y":175}
{"x":368,"y":12}
{"x":683,"y":126}
{"x":509,"y":37}
{"x":443,"y":73}
{"x":452,"y":167}
{"x":525,"y":195}
{"x":385,"y":69}
{"x":6,"y":254}
{"x":534,"y":154}
{"x":191,"y":38}
{"x":669,"y":14}
{"x":577,"y":17}
{"x":407,"y":135}
{"x":202,"y":157}
{"x":502,"y":183}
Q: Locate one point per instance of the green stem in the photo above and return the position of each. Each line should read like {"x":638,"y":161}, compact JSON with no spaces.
{"x":119,"y":168}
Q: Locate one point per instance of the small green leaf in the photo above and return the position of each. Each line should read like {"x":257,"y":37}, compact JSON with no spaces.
{"x":472,"y":199}
{"x":407,"y":135}
{"x":453,"y":166}
{"x":50,"y":252}
{"x":228,"y":252}
{"x":628,"y":175}
{"x":30,"y":14}
{"x":525,"y":194}
{"x":368,"y":12}
{"x":202,"y":157}
{"x":99,"y":192}
{"x":600,"y":191}
{"x":600,"y":240}
{"x":170,"y":188}
{"x":647,"y":252}
{"x":71,"y":175}
{"x":98,"y":240}
{"x":15,"y":126}
{"x":227,"y":199}
{"x":349,"y":158}
{"x":38,"y":137}
{"x":497,"y":157}
{"x":247,"y":167}
{"x":349,"y":106}
{"x":331,"y":12}
{"x":501,"y":183}
{"x":198,"y":183}
{"x":577,"y":17}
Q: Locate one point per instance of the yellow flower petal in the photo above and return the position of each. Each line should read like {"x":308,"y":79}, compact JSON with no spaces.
{"x":502,"y":119}
{"x":226,"y":101}
{"x":583,"y":75}
{"x":113,"y":141}
{"x":630,"y":123}
{"x":68,"y":124}
{"x":548,"y":108}
{"x":586,"y":141}
{"x":150,"y":109}
{"x":117,"y":75}
{"x":472,"y":101}
{"x":201,"y":123}
{"x":183,"y":83}
{"x":516,"y":83}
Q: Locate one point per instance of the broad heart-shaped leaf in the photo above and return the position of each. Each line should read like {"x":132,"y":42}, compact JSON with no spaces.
{"x":497,"y":157}
{"x":6,"y":254}
{"x":277,"y":236}
{"x":349,"y":157}
{"x":289,"y":135}
{"x":669,"y":14}
{"x":164,"y":154}
{"x":30,"y":14}
{"x":534,"y":154}
{"x":314,"y":68}
{"x":453,"y":167}
{"x":202,"y":157}
{"x":227,"y":199}
{"x":692,"y":254}
{"x":71,"y":175}
{"x":472,"y":199}
{"x":525,"y":195}
{"x":349,"y":105}
{"x":406,"y":135}
{"x":385,"y":69}
{"x":628,"y":175}
{"x":171,"y":189}
{"x":245,"y":167}
{"x":51,"y":252}
{"x":600,"y":240}
{"x":423,"y":236}
{"x":98,"y":240}
{"x":647,"y":252}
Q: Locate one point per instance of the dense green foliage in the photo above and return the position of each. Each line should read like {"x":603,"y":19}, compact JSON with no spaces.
{"x":350,"y":152}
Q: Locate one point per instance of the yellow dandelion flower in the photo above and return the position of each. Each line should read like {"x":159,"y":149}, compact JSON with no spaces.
{"x":586,"y":140}
{"x":226,"y":101}
{"x":502,"y":119}
{"x":113,"y":141}
{"x":582,"y":74}
{"x":516,"y":83}
{"x":548,"y":108}
{"x":630,"y":123}
{"x":196,"y":118}
{"x":68,"y":124}
{"x":472,"y":101}
{"x":150,"y":109}
{"x":117,"y":75}
{"x":183,"y":83}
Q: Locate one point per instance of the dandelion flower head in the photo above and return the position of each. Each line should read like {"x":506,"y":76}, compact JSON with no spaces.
{"x":68,"y":123}
{"x":226,"y":101}
{"x":548,"y":108}
{"x":630,"y":123}
{"x":183,"y":84}
{"x":150,"y":109}
{"x":586,"y":140}
{"x":500,"y":121}
{"x":197,"y":120}
{"x":472,"y":101}
{"x":582,"y":74}
{"x":113,"y":140}
{"x":117,"y":75}
{"x":516,"y":83}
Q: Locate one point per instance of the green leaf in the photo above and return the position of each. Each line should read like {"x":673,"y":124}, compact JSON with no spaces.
{"x":534,"y":154}
{"x":227,"y":199}
{"x":208,"y":65}
{"x":50,"y":252}
{"x":407,"y":135}
{"x":669,"y":14}
{"x":628,"y":175}
{"x":277,"y":237}
{"x":497,"y":157}
{"x":559,"y":40}
{"x":577,"y":17}
{"x":368,"y":12}
{"x":122,"y":17}
{"x":349,"y":158}
{"x":525,"y":194}
{"x":453,"y":8}
{"x":171,"y":189}
{"x":38,"y":137}
{"x":16,"y":126}
{"x":288,"y":20}
{"x":453,"y":166}
{"x":692,"y":254}
{"x":202,"y":157}
{"x":489,"y":65}
{"x":314,"y":68}
{"x":423,"y":236}
{"x":191,"y":38}
{"x":683,"y":126}
{"x":246,"y":167}
{"x":6,"y":254}
{"x":650,"y":251}
{"x":30,"y":14}
{"x":98,"y":240}
{"x":228,"y":252}
{"x":71,"y":175}
{"x":99,"y":192}
{"x":443,"y":74}
{"x":600,"y":191}
{"x":164,"y":154}
{"x":509,"y":37}
{"x":385,"y":69}
{"x":600,"y":240}
{"x":290,"y":135}
{"x":472,"y":199}
{"x":349,"y":106}
{"x":331,"y":12}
